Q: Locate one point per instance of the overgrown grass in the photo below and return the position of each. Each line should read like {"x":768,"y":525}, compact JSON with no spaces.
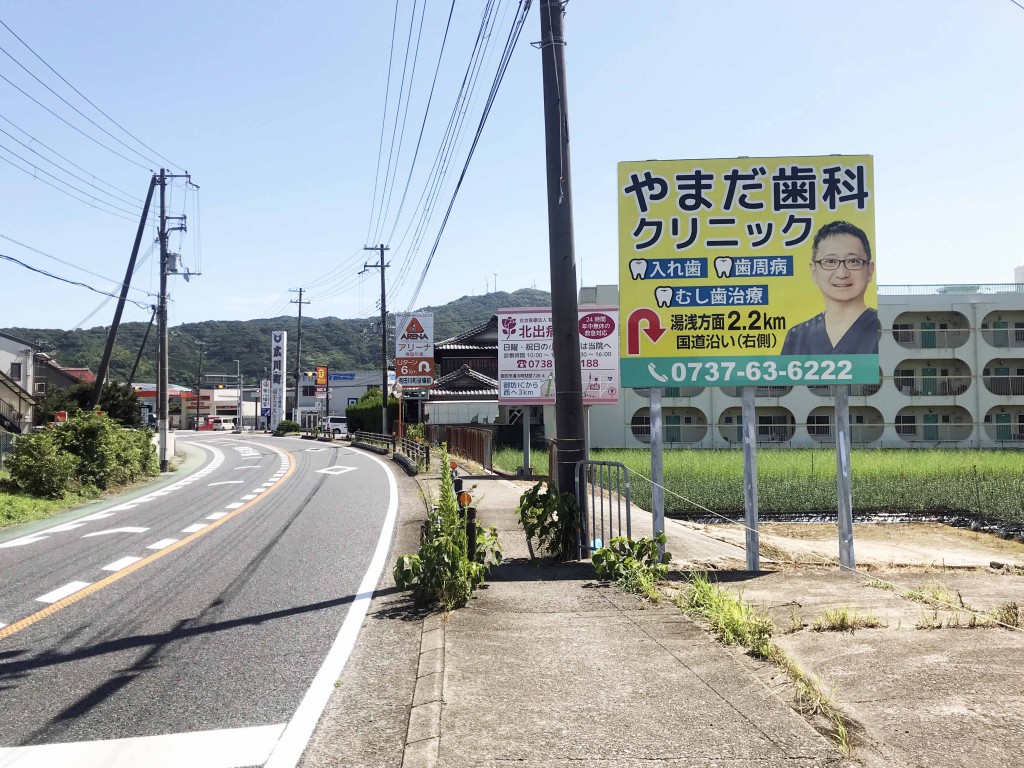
{"x":988,"y":483}
{"x":737,"y":622}
{"x":17,"y":508}
{"x":844,"y":620}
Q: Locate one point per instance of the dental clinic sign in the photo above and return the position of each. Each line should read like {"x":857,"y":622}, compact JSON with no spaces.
{"x":278,"y":356}
{"x":526,"y":360}
{"x":735,"y":272}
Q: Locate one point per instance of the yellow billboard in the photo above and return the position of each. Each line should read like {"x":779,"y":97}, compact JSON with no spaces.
{"x":748,"y":271}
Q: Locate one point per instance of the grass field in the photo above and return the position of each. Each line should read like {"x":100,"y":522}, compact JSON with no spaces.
{"x":989,"y":483}
{"x":18,"y":508}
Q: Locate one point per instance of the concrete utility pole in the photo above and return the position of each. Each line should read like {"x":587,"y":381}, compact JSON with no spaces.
{"x":383,"y":333}
{"x":162,"y":358}
{"x":298,"y":352}
{"x":200,"y":346}
{"x":162,"y":379}
{"x":564,"y":305}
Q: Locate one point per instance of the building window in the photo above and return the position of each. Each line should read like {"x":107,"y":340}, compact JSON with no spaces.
{"x":905,"y":380}
{"x":641,"y":427}
{"x":309,"y":391}
{"x":903,"y":333}
{"x":40,"y":387}
{"x":1018,"y":333}
{"x":906,"y":424}
{"x":16,"y":371}
{"x":819,"y":425}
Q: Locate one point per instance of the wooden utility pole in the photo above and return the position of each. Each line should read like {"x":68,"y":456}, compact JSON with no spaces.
{"x":298,"y":353}
{"x":569,"y":422}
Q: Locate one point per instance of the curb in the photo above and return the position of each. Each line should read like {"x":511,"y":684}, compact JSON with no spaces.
{"x":423,"y":737}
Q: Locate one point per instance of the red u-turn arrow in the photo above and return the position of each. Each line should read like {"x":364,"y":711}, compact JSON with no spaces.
{"x":653,"y":328}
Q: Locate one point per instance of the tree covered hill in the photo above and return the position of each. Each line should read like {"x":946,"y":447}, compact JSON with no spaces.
{"x":340,"y":344}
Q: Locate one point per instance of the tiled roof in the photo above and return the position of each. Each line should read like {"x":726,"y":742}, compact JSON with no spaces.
{"x":81,"y":374}
{"x":467,"y":340}
{"x":473,"y":384}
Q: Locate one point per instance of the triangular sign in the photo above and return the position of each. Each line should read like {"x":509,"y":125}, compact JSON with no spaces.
{"x":414,"y":326}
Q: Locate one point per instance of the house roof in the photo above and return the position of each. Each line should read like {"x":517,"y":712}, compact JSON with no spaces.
{"x":19,"y":340}
{"x":464,"y":382}
{"x":483,"y":337}
{"x":81,"y":374}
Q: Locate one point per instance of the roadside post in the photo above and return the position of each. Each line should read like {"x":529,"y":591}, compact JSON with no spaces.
{"x":657,"y":468}
{"x":750,"y":480}
{"x":844,"y":488}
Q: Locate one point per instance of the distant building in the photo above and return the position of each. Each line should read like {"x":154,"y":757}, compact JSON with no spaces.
{"x":952,"y":375}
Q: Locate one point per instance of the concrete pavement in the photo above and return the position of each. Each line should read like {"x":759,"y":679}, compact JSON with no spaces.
{"x":546,"y":666}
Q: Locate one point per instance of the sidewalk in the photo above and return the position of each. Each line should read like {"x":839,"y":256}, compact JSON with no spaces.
{"x":546,"y":667}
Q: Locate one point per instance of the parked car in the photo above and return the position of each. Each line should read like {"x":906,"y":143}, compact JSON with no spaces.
{"x":336,"y":425}
{"x":223,"y":423}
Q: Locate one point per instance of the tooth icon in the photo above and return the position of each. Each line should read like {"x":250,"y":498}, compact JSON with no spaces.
{"x":723,"y":266}
{"x":638,"y":268}
{"x":663,"y":295}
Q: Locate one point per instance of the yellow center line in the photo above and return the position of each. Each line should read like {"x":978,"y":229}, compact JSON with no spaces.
{"x":31,"y":619}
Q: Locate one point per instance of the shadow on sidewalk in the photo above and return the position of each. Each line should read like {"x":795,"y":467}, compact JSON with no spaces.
{"x":524,"y":569}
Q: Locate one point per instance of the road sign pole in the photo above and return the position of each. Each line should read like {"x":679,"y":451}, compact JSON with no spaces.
{"x":657,"y":467}
{"x":844,"y":490}
{"x":750,"y":479}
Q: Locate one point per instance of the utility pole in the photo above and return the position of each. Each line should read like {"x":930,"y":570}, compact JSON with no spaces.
{"x":298,"y":352}
{"x":569,"y":422}
{"x":199,"y":380}
{"x":383,"y":333}
{"x":101,"y":375}
{"x":163,"y":381}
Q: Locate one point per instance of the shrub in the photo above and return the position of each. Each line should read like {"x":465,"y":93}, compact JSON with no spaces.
{"x":38,"y":466}
{"x":442,"y":570}
{"x":552,"y":518}
{"x":285,"y":426}
{"x":634,"y":565}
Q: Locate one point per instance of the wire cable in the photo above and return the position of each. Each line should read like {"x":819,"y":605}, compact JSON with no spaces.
{"x":383,"y":122}
{"x":88,"y":101}
{"x":75,"y":266}
{"x":87,"y":202}
{"x":139,"y":304}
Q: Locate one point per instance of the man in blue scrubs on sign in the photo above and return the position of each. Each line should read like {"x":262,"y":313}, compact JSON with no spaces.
{"x":841,"y":267}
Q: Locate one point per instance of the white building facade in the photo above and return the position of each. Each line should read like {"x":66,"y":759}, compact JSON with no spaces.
{"x":952,"y":376}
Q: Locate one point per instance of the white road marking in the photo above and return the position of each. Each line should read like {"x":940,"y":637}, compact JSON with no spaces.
{"x":62,"y":592}
{"x":122,"y":507}
{"x":216,"y":516}
{"x":201,"y":749}
{"x":124,"y":562}
{"x":338,"y":470}
{"x":22,"y":541}
{"x":226,"y":482}
{"x":161,"y":544}
{"x":254,"y":466}
{"x":194,"y":528}
{"x":65,"y":527}
{"x":127,"y":529}
{"x":97,"y":516}
{"x":295,"y":738}
{"x":249,"y":496}
{"x":236,"y":505}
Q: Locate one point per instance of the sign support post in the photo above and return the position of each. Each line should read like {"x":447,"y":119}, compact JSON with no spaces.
{"x":657,"y":468}
{"x":750,"y":479}
{"x":844,"y":490}
{"x":527,"y":469}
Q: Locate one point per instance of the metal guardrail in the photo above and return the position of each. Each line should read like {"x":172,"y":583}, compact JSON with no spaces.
{"x":387,"y":442}
{"x":603,"y":490}
{"x":417,"y":452}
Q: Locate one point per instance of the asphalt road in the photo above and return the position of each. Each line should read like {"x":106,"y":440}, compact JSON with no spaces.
{"x":187,"y":623}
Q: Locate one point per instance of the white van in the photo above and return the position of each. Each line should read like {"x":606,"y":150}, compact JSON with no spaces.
{"x":337,"y":425}
{"x":223,"y":423}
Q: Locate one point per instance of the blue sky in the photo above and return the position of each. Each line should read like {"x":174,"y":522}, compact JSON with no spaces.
{"x":276,"y":110}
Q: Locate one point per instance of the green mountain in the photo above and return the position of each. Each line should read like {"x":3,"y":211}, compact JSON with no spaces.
{"x":343,"y":345}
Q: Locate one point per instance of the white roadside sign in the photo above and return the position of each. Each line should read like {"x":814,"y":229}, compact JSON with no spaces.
{"x":526,"y":363}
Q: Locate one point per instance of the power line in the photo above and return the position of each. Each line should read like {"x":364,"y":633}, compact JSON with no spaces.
{"x":65,"y":159}
{"x":69,"y":85}
{"x":510,"y":44}
{"x":58,"y":180}
{"x":383,"y":122}
{"x":75,"y":266}
{"x":87,"y":202}
{"x":139,"y":304}
{"x":73,"y":127}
